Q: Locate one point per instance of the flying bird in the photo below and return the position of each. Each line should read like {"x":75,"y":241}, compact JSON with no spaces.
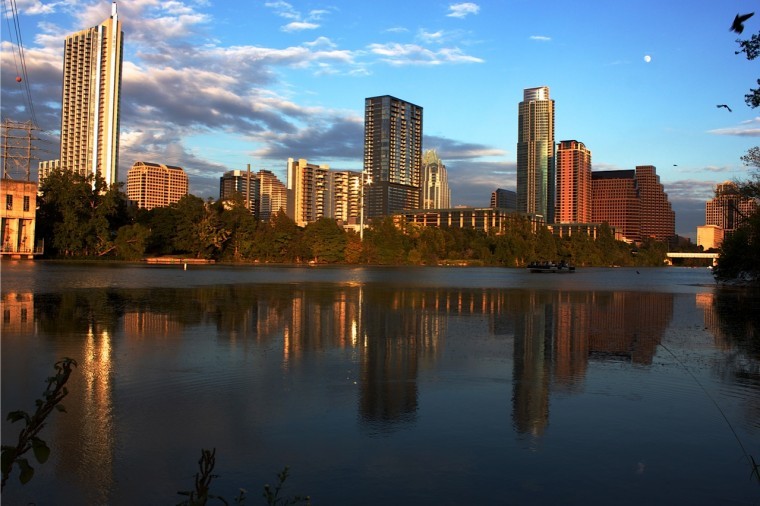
{"x":724,"y":105}
{"x":738,"y":24}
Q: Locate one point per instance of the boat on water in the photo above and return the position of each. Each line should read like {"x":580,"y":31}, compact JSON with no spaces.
{"x":551,"y":267}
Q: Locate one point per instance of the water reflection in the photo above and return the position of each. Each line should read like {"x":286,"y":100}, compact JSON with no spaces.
{"x":394,"y":334}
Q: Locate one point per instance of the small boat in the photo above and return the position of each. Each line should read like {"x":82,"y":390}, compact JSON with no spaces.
{"x":551,"y":267}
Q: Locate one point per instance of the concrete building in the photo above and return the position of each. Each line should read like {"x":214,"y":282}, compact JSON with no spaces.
{"x":152,"y":185}
{"x":485,"y":219}
{"x":728,"y":209}
{"x":18,"y":218}
{"x":243,"y":183}
{"x":307,"y":191}
{"x":615,"y":200}
{"x":709,"y":236}
{"x":344,"y":196}
{"x":92,"y":64}
{"x":573,"y":200}
{"x":504,"y":199}
{"x":535,"y":154}
{"x":273,"y":195}
{"x":392,"y":155}
{"x":633,"y":202}
{"x":436,"y":193}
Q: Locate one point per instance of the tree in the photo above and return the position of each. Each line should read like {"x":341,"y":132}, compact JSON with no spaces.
{"x":326,"y":241}
{"x":751,"y":49}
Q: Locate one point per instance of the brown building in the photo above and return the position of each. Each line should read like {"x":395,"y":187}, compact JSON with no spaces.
{"x":615,"y":200}
{"x":634,"y":202}
{"x":18,"y":218}
{"x":152,"y":185}
{"x":728,"y":209}
{"x":573,"y":201}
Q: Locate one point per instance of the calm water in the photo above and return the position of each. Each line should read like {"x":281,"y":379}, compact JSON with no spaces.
{"x":387,"y":385}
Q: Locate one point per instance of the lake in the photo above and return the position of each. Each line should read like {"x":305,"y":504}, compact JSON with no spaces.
{"x":386,"y":385}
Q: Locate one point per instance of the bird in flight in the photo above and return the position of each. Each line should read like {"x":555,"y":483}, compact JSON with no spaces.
{"x":724,"y":105}
{"x":738,"y":24}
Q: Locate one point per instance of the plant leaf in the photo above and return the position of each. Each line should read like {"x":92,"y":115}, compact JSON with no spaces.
{"x":27,"y":471}
{"x":15,"y":416}
{"x":41,"y":450}
{"x":61,"y":408}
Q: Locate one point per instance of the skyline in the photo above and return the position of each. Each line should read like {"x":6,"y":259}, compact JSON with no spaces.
{"x":205,"y":92}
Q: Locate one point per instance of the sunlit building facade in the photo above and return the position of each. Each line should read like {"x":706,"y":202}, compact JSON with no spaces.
{"x":728,"y":209}
{"x":573,"y":200}
{"x":344,"y":196}
{"x":658,"y":220}
{"x":241,"y":184}
{"x":18,"y":217}
{"x":273,"y":195}
{"x":615,"y":200}
{"x":92,"y":65}
{"x":436,"y":193}
{"x":307,"y":191}
{"x":152,"y":185}
{"x":392,"y":155}
{"x":535,"y":154}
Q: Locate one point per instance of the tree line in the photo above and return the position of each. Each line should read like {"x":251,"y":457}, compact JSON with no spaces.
{"x":81,"y":217}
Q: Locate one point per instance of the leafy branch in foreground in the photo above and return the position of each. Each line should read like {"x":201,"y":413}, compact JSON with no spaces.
{"x":28,"y":437}
{"x":205,"y":476}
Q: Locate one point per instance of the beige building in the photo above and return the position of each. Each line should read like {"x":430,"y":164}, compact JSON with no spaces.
{"x":152,"y":185}
{"x":92,"y":64}
{"x":17,"y":218}
{"x":436,"y":193}
{"x":344,"y":196}
{"x":307,"y":191}
{"x":273,"y":195}
{"x":709,"y":236}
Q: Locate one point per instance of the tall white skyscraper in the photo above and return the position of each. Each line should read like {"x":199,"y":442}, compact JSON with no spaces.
{"x":535,"y":154}
{"x":436,"y":193}
{"x":90,"y":103}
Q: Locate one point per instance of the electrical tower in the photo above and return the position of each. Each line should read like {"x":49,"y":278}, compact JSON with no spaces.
{"x":17,"y":149}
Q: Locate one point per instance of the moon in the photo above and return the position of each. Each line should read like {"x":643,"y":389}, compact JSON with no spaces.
{"x":647,"y":58}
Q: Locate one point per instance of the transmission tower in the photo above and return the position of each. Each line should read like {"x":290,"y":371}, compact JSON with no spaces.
{"x":17,"y":149}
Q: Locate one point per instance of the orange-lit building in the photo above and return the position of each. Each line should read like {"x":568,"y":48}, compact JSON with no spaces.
{"x":18,"y":218}
{"x":152,"y":185}
{"x":728,"y":209}
{"x":573,"y":204}
{"x":658,"y":220}
{"x":615,"y":200}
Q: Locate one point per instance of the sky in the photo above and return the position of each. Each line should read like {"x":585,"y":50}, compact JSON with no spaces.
{"x":215,"y":85}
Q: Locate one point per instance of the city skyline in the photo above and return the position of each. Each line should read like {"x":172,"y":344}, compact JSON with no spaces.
{"x":203,"y":91}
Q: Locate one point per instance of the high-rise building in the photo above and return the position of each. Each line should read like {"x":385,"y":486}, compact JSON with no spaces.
{"x":573,"y":201}
{"x":436,"y":193}
{"x":273,"y":195}
{"x":90,"y":101}
{"x":535,"y":154}
{"x":307,"y":191}
{"x":615,"y":200}
{"x":392,"y":155}
{"x":634,"y":202}
{"x":728,"y":209}
{"x":504,"y":199}
{"x":152,"y":185}
{"x":344,"y":196}
{"x":658,"y":220}
{"x":243,"y":183}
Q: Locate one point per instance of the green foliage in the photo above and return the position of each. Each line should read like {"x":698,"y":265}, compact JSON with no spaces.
{"x":326,"y":241}
{"x":28,"y":438}
{"x":751,"y":50}
{"x":131,"y":241}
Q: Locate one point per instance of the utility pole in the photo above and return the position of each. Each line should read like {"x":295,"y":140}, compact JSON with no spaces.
{"x":17,"y":148}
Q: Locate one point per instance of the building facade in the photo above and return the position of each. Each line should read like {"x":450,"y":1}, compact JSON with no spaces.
{"x":535,"y":154}
{"x":615,"y":200}
{"x":436,"y":193}
{"x":92,"y":64}
{"x":728,"y":209}
{"x":573,"y":199}
{"x":344,"y":196}
{"x":658,"y":220}
{"x":152,"y":185}
{"x":505,"y":199}
{"x":392,"y":155}
{"x":709,"y":236}
{"x":244,"y":184}
{"x":485,"y":219}
{"x":18,"y":218}
{"x":307,"y":191}
{"x":273,"y":195}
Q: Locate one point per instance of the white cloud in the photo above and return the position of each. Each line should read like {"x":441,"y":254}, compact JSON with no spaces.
{"x":297,"y":26}
{"x":413,"y":54}
{"x":463,"y":10}
{"x":540,"y":38}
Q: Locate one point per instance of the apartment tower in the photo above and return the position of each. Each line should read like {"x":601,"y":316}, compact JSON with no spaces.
{"x":658,"y":220}
{"x":728,"y":209}
{"x":273,"y":195}
{"x":535,"y":154}
{"x":90,"y":102}
{"x":436,"y":193}
{"x":242,"y":183}
{"x":392,"y":155}
{"x":307,"y":191}
{"x":573,"y":200}
{"x":152,"y":185}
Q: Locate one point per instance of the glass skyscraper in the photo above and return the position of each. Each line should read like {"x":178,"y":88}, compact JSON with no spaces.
{"x":535,"y":154}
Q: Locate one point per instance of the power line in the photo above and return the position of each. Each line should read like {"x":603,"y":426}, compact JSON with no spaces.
{"x":23,"y":75}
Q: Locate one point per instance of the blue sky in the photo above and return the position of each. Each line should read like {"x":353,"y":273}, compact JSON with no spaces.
{"x":215,"y":85}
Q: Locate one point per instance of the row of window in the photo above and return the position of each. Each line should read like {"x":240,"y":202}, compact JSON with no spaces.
{"x":9,"y":202}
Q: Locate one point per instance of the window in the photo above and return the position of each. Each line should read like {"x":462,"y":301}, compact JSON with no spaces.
{"x":26,"y":202}
{"x":9,"y":202}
